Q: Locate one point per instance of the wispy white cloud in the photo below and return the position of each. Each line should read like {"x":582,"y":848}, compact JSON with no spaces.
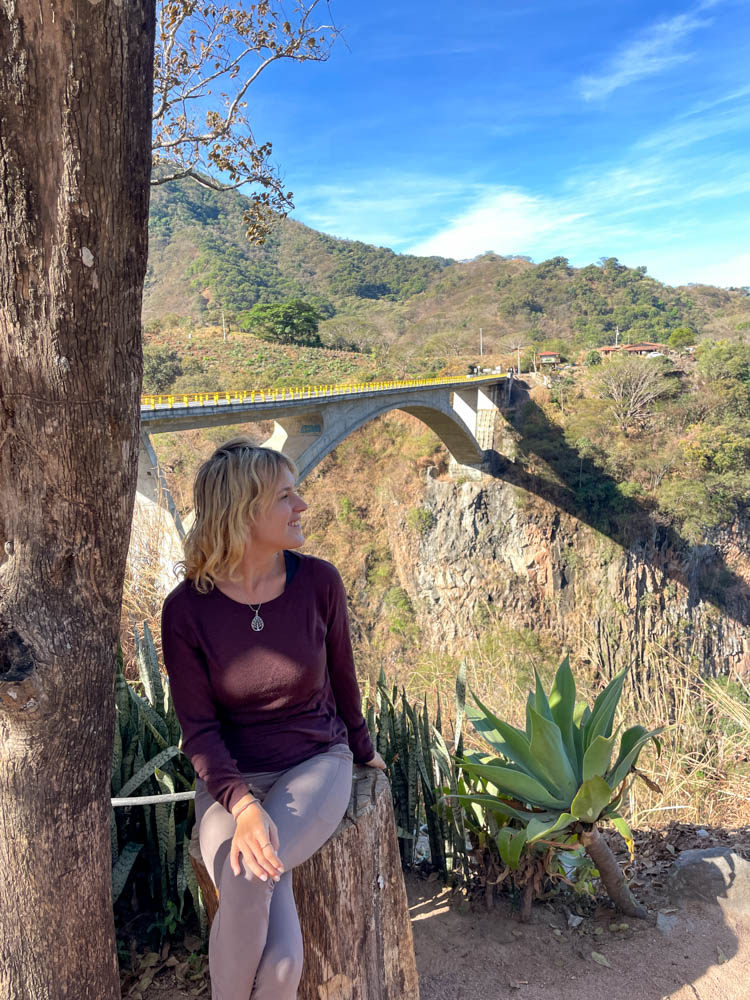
{"x":505,"y":221}
{"x":384,"y":207}
{"x":655,"y":50}
{"x":701,"y":107}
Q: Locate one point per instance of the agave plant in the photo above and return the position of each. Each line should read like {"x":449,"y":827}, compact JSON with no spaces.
{"x":560,"y":777}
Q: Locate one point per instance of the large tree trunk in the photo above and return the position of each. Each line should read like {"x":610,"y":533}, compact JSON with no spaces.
{"x":352,"y":904}
{"x":75,"y":151}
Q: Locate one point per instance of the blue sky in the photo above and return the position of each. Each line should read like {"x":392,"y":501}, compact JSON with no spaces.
{"x":582,"y":129}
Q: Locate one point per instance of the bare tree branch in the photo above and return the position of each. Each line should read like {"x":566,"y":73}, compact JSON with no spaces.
{"x":200,"y":133}
{"x":632,"y":385}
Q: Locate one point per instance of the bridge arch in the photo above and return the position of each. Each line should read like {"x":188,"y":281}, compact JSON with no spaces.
{"x":292,"y":434}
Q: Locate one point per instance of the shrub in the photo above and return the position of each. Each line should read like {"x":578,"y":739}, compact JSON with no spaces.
{"x":160,"y":369}
{"x":420,"y":519}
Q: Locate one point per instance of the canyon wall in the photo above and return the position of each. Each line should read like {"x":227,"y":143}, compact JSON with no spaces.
{"x":490,"y":549}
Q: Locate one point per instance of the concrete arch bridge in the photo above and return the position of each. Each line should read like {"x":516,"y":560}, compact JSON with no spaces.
{"x":310,"y":421}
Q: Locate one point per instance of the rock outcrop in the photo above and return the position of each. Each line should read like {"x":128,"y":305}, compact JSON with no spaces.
{"x":493,"y":549}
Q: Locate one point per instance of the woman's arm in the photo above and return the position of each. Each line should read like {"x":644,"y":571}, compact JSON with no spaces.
{"x":196,"y":711}
{"x":343,"y":675}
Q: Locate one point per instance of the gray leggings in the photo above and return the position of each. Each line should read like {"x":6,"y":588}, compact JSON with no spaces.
{"x":255,"y":947}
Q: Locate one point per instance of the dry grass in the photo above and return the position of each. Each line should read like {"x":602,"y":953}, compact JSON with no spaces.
{"x":703,"y":772}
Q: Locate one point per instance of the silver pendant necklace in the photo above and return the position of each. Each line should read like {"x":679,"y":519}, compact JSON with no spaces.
{"x":257,"y":623}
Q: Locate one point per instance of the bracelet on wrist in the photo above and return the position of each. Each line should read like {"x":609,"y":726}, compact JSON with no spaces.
{"x":243,"y":807}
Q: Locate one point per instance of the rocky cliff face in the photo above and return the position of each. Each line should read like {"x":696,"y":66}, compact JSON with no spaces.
{"x":495,"y":550}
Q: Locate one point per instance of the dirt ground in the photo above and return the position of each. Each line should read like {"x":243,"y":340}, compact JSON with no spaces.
{"x":483,"y":956}
{"x":698,"y":951}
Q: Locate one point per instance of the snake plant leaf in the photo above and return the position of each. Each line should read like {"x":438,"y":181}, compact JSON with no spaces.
{"x":122,"y":868}
{"x":597,"y":758}
{"x":460,"y":831}
{"x":122,"y":700}
{"x":460,"y":702}
{"x":633,"y":741}
{"x":165,"y":781}
{"x":593,"y":796}
{"x":161,"y":814}
{"x":148,"y":770}
{"x":538,"y":829}
{"x":551,"y":763}
{"x":624,"y":830}
{"x":510,"y":843}
{"x":150,"y":718}
{"x":180,"y":882}
{"x":506,"y":739}
{"x":441,"y":756}
{"x":116,"y":774}
{"x":148,"y":667}
{"x":562,"y":702}
{"x":516,"y":783}
{"x":603,"y":713}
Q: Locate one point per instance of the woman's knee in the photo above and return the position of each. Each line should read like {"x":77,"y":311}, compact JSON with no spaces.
{"x":245,"y":890}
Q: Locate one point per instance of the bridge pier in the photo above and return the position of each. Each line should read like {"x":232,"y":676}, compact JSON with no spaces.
{"x":294,"y":434}
{"x":157,"y":530}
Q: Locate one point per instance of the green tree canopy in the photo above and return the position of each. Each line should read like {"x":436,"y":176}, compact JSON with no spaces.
{"x":160,"y":368}
{"x":681,"y":337}
{"x":292,"y":322}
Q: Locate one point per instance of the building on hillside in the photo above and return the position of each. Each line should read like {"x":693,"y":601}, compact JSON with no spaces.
{"x":644,"y":349}
{"x":551,"y":358}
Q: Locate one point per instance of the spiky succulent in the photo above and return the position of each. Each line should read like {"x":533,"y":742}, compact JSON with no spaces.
{"x":561,"y":771}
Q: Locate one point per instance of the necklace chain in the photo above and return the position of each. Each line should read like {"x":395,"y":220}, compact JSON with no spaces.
{"x":257,"y":624}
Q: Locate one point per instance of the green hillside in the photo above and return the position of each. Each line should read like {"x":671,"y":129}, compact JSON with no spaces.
{"x":200,"y":264}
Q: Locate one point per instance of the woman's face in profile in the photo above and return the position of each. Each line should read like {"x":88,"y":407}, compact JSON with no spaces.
{"x":279,"y":526}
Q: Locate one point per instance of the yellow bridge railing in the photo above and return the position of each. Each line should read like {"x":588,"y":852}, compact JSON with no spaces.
{"x":300,"y":392}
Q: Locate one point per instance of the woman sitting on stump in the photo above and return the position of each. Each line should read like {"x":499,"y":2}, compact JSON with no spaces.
{"x":256,"y":644}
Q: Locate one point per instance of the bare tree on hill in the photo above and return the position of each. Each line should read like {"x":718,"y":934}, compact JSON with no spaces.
{"x":632,"y":385}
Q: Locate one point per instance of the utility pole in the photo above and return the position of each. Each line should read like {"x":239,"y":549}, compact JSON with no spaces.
{"x":617,"y":335}
{"x":481,"y":348}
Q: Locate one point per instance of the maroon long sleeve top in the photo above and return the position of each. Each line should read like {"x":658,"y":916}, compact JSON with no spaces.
{"x":263,"y":701}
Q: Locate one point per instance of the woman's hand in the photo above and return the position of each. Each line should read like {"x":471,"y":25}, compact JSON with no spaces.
{"x":377,"y":761}
{"x":257,"y":840}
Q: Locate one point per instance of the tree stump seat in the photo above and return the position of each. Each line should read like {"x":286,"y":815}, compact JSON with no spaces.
{"x":351,"y":902}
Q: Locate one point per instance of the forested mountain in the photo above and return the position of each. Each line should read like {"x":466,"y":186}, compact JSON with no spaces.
{"x":200,"y":263}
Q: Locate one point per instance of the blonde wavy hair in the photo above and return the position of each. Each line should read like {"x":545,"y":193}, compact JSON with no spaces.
{"x":231,"y":488}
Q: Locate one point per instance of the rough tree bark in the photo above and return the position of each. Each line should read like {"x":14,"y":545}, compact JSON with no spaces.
{"x":352,"y":904}
{"x":75,"y":156}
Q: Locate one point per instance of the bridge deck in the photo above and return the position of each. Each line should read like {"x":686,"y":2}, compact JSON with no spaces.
{"x":168,"y":412}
